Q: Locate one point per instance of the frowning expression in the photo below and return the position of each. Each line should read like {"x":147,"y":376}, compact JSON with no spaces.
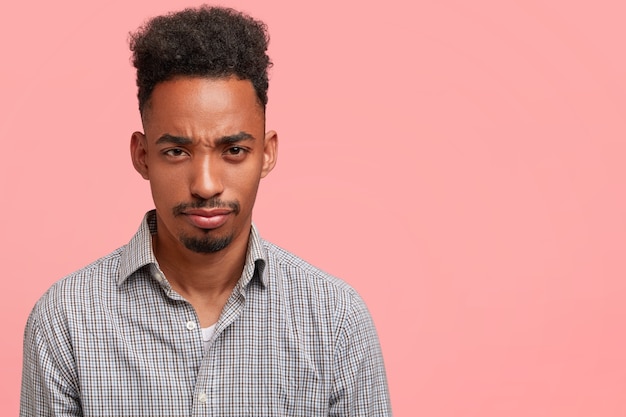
{"x":204,"y":152}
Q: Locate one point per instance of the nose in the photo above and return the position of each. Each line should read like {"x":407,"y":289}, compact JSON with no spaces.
{"x":206,"y":180}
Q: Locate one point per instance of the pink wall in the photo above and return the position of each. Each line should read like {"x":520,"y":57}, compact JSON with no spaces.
{"x":460,"y":163}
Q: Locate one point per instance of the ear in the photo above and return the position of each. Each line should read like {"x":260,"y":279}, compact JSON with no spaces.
{"x":270,"y":152}
{"x":138,"y":153}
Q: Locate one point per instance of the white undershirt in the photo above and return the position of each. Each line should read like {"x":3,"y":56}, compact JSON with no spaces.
{"x":207,"y":332}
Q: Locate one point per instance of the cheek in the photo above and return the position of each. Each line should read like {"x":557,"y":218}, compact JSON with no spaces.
{"x":243,"y":182}
{"x":166,"y":185}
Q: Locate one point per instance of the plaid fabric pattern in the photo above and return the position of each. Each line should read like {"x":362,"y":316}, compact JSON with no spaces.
{"x":114,"y":339}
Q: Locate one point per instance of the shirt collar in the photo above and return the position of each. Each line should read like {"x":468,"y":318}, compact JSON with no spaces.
{"x":138,"y":253}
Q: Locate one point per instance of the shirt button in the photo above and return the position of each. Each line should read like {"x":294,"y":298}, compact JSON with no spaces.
{"x":202,"y":397}
{"x":191,"y":325}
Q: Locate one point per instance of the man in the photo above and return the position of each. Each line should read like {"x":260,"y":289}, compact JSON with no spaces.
{"x":198,"y":315}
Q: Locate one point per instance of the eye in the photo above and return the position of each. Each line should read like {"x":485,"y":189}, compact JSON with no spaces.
{"x":174,"y":152}
{"x":236,"y":152}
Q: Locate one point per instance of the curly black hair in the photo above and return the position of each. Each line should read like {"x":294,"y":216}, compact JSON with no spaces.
{"x":208,"y":41}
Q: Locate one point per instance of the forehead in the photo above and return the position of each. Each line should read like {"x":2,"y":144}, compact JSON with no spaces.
{"x":203,"y":104}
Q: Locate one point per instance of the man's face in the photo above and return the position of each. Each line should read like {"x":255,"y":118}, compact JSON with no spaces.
{"x":204,"y":152}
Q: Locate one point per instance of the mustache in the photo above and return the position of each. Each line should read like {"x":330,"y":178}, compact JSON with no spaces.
{"x":210,"y":203}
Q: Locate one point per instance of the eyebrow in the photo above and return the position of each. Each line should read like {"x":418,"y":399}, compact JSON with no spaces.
{"x":224,"y":140}
{"x":238,"y":137}
{"x":174,"y":140}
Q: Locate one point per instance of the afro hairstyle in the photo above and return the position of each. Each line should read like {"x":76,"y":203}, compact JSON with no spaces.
{"x":212,"y":42}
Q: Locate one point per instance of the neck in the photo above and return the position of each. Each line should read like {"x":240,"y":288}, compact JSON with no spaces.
{"x":206,"y":275}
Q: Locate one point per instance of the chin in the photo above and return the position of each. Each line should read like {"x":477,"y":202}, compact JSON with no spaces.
{"x":206,"y":244}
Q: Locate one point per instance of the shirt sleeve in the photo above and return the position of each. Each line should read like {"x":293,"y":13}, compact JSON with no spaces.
{"x":48,"y":387}
{"x":359,"y":386}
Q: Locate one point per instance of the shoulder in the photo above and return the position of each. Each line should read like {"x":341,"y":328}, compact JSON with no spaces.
{"x":307,"y":286}
{"x":72,"y":292}
{"x":297,"y":270}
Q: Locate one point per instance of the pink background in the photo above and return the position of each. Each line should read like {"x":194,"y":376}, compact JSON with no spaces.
{"x":460,"y":163}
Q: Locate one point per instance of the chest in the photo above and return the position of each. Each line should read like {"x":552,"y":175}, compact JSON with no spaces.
{"x":259,"y":362}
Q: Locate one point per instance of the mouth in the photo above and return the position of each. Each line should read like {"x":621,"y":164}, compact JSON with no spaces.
{"x":211,"y":218}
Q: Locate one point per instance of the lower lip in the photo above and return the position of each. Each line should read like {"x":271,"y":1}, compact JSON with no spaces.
{"x":207,"y":222}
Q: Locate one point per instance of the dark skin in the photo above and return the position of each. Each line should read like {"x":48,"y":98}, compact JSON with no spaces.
{"x":204,"y":152}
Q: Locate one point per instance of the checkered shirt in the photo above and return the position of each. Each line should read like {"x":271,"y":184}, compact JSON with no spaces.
{"x":114,"y":339}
